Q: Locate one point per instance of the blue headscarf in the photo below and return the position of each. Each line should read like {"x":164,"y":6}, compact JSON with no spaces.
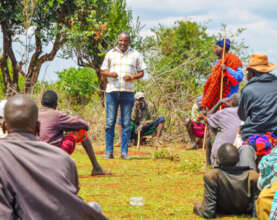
{"x":227,"y":43}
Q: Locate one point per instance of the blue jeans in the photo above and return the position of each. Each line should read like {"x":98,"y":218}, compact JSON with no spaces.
{"x":126,"y":102}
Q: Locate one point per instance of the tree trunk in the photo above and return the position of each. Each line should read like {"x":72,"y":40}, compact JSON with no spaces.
{"x":10,"y":84}
{"x":102,"y":82}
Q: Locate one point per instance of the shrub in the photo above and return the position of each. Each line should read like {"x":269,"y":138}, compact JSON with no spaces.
{"x":78,"y":84}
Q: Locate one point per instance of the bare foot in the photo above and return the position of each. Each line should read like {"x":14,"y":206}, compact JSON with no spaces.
{"x":100,"y":171}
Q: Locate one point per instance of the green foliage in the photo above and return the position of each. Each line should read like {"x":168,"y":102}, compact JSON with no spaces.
{"x":180,"y":59}
{"x":95,"y":29}
{"x":167,"y":155}
{"x":48,"y":20}
{"x":78,"y":84}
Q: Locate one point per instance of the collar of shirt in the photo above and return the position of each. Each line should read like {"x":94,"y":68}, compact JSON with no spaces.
{"x":117,"y":49}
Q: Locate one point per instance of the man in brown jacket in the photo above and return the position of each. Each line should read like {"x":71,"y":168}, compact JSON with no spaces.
{"x":37,"y":181}
{"x":228,"y":189}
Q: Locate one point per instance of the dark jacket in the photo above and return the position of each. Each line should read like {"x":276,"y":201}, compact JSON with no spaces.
{"x":230,"y":192}
{"x":258,"y":105}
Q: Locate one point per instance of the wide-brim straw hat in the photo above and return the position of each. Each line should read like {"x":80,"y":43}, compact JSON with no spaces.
{"x":259,"y":62}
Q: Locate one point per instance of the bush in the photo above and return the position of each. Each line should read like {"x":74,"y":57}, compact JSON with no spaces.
{"x":78,"y":84}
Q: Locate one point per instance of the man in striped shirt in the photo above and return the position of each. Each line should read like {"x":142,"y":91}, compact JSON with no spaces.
{"x":122,"y":66}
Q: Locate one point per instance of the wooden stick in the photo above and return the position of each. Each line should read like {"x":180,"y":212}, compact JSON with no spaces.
{"x":205,"y":137}
{"x":221,"y":85}
{"x":138,"y":141}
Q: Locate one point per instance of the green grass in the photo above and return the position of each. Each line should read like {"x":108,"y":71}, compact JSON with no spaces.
{"x":169,"y":187}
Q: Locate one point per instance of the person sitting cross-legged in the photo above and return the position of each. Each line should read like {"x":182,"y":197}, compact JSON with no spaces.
{"x":54,"y":124}
{"x":228,"y":189}
{"x":37,"y":181}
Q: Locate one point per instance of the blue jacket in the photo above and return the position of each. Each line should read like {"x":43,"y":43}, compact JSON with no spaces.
{"x":258,"y":105}
{"x":235,"y":77}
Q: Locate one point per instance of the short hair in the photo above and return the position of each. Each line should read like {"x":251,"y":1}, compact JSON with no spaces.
{"x":124,"y":33}
{"x":49,"y":99}
{"x":235,"y":99}
{"x":227,"y":155}
{"x":21,"y":113}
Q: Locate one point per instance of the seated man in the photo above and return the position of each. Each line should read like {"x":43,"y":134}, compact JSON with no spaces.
{"x":228,"y":189}
{"x":267,"y":200}
{"x":225,"y":123}
{"x":141,"y":121}
{"x":258,"y":110}
{"x":53,"y":125}
{"x":37,"y":181}
{"x":195,"y":125}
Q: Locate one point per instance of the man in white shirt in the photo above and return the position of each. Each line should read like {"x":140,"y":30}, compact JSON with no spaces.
{"x":122,"y":66}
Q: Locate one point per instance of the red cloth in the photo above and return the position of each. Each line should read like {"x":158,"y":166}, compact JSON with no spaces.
{"x":198,"y":129}
{"x":69,"y":141}
{"x":212,"y":86}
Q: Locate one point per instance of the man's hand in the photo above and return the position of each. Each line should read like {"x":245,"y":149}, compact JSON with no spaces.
{"x":113,"y":75}
{"x":224,"y":67}
{"x":128,"y":77}
{"x":225,"y":101}
{"x":139,"y":128}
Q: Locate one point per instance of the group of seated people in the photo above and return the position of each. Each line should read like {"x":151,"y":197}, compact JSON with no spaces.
{"x":38,"y":179}
{"x":241,"y":148}
{"x":37,"y":144}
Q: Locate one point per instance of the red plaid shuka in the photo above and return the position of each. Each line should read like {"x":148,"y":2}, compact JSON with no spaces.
{"x":79,"y":136}
{"x":212,"y":86}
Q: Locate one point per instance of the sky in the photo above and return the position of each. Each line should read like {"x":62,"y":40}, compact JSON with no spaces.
{"x":259,"y":17}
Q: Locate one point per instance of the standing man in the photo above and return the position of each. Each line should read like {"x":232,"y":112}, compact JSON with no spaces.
{"x":122,"y":66}
{"x":232,"y":76}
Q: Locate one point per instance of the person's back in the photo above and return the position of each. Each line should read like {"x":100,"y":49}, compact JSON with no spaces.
{"x":37,"y":181}
{"x":232,"y":195}
{"x":228,"y":189}
{"x":258,"y":103}
{"x":54,"y":123}
{"x":41,"y":181}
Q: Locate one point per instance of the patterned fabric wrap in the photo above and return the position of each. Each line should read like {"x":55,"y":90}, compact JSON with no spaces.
{"x":263,"y":143}
{"x":198,"y":129}
{"x":212,"y":86}
{"x":71,"y":138}
{"x":79,"y":136}
{"x":268,"y":175}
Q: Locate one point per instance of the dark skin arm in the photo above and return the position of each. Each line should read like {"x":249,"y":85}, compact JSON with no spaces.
{"x":223,"y":101}
{"x":126,"y":78}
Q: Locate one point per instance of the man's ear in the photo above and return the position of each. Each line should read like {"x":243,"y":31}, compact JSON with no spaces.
{"x":37,"y":131}
{"x":4,"y":127}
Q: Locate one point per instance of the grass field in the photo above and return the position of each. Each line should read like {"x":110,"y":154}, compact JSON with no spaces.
{"x":169,"y":187}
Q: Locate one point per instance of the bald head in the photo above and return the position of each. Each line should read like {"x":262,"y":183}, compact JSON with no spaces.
{"x":235,"y":99}
{"x":227,"y":155}
{"x":21,"y":114}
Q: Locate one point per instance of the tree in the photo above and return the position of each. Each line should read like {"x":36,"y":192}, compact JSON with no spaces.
{"x":95,"y":30}
{"x":47,"y":21}
{"x":179,"y":60}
